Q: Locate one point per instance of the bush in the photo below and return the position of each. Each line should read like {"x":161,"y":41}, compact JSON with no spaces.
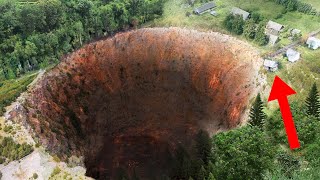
{"x":288,"y":164}
{"x":7,"y":128}
{"x":312,"y":152}
{"x":275,"y":128}
{"x":243,"y":153}
{"x":2,"y":160}
{"x":234,"y":24}
{"x":35,"y":176}
{"x":256,"y":17}
{"x":55,"y":171}
{"x":56,"y":158}
{"x":14,"y":151}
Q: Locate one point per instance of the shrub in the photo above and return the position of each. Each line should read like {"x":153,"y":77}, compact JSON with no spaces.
{"x":288,"y":164}
{"x":14,"y":151}
{"x":243,"y":153}
{"x":234,"y":24}
{"x":55,"y":171}
{"x":35,"y":176}
{"x":2,"y":160}
{"x":7,"y":128}
{"x":56,"y":158}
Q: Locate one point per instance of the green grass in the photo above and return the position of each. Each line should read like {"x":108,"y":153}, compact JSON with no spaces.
{"x":314,"y":3}
{"x":300,"y":75}
{"x":175,"y":13}
{"x":11,"y":89}
{"x":306,"y":23}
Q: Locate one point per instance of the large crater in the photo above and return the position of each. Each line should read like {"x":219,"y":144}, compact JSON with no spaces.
{"x":126,"y":101}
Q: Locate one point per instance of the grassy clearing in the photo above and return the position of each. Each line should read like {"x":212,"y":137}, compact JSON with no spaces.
{"x":11,"y":89}
{"x":306,"y":23}
{"x":300,"y":75}
{"x":175,"y":15}
{"x":314,"y":3}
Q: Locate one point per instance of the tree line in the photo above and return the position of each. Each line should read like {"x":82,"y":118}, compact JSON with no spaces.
{"x":297,"y":5}
{"x":34,"y":35}
{"x":252,"y":29}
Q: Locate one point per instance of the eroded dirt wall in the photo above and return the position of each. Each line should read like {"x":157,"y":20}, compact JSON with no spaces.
{"x":128,"y":100}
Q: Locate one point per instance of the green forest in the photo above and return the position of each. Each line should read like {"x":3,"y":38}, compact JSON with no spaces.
{"x":36,"y":34}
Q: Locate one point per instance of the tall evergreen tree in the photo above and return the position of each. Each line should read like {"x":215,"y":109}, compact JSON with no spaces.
{"x":203,"y":146}
{"x":313,"y":102}
{"x":257,"y":115}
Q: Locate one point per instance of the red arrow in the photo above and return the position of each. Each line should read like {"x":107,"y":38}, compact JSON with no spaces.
{"x":280,"y":90}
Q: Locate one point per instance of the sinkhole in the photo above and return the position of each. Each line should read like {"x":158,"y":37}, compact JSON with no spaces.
{"x":129,"y":100}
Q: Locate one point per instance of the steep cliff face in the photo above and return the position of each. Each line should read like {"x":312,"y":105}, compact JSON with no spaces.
{"x":128,"y":100}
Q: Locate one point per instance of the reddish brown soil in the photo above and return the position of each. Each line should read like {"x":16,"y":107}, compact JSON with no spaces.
{"x":128,"y":100}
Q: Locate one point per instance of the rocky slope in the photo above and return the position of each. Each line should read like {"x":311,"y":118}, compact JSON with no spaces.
{"x":129,"y":100}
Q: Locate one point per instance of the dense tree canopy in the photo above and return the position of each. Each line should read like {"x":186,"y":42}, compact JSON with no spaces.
{"x":34,"y":35}
{"x":244,"y":153}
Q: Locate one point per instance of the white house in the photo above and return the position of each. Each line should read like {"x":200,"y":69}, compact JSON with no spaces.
{"x":293,"y":55}
{"x":273,"y":39}
{"x":270,"y":65}
{"x":313,"y":43}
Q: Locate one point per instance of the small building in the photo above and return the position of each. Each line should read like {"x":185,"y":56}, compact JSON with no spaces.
{"x":295,"y":32}
{"x":274,"y":28}
{"x":292,"y":55}
{"x":237,"y":11}
{"x":214,"y":13}
{"x":313,"y":43}
{"x":270,"y":65}
{"x":273,"y":39}
{"x":205,"y":7}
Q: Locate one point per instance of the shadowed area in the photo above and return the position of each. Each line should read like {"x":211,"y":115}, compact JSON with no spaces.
{"x":130,"y":100}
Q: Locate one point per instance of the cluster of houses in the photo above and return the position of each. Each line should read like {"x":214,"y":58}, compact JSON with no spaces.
{"x":291,"y":54}
{"x":273,"y":30}
{"x":272,"y":65}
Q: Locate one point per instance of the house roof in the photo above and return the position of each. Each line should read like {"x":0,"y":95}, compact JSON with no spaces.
{"x":292,"y":55}
{"x":292,"y":52}
{"x":270,"y":63}
{"x":238,"y":11}
{"x":295,"y":31}
{"x":205,"y":7}
{"x":313,"y":40}
{"x":273,"y":39}
{"x":274,"y":25}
